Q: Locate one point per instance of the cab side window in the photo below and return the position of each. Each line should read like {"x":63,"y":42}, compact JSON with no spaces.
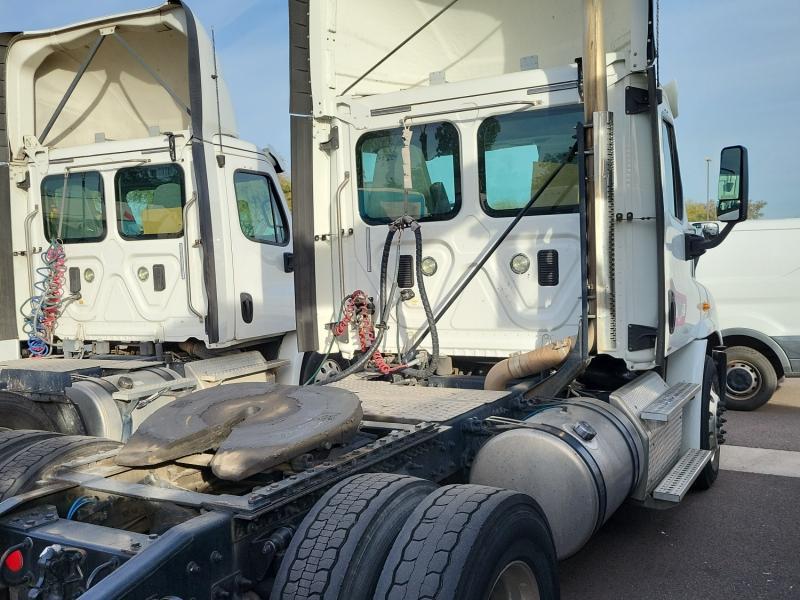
{"x":673,"y":188}
{"x":435,"y":193}
{"x":74,"y":207}
{"x":518,"y":152}
{"x":150,"y":202}
{"x":261,"y":215}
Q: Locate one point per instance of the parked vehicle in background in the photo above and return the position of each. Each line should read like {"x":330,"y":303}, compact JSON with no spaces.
{"x":757,"y":294}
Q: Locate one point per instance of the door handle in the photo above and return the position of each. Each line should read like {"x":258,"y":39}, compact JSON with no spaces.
{"x":672,"y":316}
{"x":247,"y":307}
{"x":288,"y":262}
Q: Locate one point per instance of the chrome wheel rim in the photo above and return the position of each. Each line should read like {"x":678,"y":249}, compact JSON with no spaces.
{"x":327,"y":369}
{"x":743,"y":380}
{"x":713,"y":427}
{"x":515,"y":582}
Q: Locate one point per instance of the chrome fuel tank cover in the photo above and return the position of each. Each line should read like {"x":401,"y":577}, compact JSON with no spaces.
{"x":252,"y":426}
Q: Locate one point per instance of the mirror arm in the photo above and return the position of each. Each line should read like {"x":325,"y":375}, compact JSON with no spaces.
{"x":696,"y":245}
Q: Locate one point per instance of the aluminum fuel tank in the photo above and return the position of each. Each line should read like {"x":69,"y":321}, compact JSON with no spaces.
{"x":578,"y":459}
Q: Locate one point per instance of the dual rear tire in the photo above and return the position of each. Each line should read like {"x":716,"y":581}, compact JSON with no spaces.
{"x":28,"y":456}
{"x":385,"y":536}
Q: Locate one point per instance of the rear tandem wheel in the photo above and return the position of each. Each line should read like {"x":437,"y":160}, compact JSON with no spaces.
{"x":472,"y":542}
{"x":338,"y":551}
{"x":20,"y":470}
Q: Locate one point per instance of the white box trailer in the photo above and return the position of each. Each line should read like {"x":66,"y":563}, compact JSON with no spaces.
{"x":756,"y":284}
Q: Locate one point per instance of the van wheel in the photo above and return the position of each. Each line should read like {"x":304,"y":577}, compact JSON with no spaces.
{"x":473,"y":542}
{"x":20,"y":471}
{"x":19,"y":412}
{"x":751,"y":379}
{"x":711,"y":434}
{"x":339,"y":548}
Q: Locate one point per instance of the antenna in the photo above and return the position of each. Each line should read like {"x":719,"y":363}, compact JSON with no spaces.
{"x":215,"y":77}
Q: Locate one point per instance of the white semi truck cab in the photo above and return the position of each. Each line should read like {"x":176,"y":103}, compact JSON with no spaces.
{"x":139,"y":230}
{"x":503,"y":337}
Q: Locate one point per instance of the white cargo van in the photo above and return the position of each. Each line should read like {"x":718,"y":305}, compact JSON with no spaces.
{"x":757,"y":295}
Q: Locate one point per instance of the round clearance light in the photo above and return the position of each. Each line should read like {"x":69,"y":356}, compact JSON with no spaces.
{"x":520,"y":264}
{"x":143,"y":273}
{"x":88,"y":275}
{"x":429,"y":266}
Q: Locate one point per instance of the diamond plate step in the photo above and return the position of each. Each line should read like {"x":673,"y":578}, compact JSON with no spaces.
{"x":678,"y":481}
{"x":669,"y":404}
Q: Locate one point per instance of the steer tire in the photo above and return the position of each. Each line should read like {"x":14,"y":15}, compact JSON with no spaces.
{"x":709,"y":426}
{"x":338,"y":551}
{"x":20,"y":471}
{"x":463,"y":541}
{"x":318,"y":368}
{"x":767,"y":378}
{"x":13,"y":440}
{"x":19,"y":412}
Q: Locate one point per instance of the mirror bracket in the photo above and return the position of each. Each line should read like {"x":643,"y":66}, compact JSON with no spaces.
{"x":696,"y":245}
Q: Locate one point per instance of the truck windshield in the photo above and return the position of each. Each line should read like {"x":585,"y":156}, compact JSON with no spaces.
{"x":150,"y":202}
{"x":77,"y":214}
{"x":517,"y":152}
{"x":435,"y":177}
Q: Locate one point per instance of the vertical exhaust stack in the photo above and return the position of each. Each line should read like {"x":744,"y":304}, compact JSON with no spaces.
{"x":600,"y":184}
{"x":595,"y":90}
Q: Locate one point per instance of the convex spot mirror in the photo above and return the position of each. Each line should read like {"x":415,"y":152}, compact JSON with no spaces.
{"x":707,"y":229}
{"x":732,"y":199}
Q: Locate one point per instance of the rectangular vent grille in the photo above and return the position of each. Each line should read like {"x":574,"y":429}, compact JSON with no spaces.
{"x":74,"y":280}
{"x":159,"y":278}
{"x":548,"y":267}
{"x":405,"y":272}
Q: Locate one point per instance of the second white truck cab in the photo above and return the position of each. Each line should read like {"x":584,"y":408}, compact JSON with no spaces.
{"x":139,"y":232}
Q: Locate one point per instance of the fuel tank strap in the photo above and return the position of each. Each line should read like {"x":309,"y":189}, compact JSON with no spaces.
{"x":627,"y":431}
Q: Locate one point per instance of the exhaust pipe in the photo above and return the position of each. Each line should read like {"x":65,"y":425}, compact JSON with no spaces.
{"x":527,"y":364}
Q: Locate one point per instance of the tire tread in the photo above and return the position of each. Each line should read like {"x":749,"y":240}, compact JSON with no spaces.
{"x":325,"y":530}
{"x":18,"y":469}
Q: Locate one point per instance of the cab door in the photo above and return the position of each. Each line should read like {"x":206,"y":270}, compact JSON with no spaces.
{"x":682,"y":295}
{"x":261,"y":248}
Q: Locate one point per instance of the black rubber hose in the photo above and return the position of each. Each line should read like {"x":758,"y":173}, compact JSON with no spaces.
{"x":362,"y":360}
{"x":426,"y":305}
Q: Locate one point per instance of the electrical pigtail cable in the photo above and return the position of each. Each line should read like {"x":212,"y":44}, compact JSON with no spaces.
{"x":356,"y":309}
{"x":42,"y":311}
{"x":426,"y":305}
{"x":370,"y":342}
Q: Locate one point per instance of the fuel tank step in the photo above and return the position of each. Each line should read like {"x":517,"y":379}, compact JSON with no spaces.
{"x":670,"y":403}
{"x":678,"y":481}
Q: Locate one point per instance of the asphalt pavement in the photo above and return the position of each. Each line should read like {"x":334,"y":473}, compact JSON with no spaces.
{"x":740,"y":539}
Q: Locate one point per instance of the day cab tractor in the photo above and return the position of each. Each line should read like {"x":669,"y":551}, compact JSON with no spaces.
{"x":146,"y":248}
{"x":494,"y":279}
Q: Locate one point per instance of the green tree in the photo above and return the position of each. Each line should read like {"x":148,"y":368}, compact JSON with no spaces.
{"x":699,"y":211}
{"x":286,"y":186}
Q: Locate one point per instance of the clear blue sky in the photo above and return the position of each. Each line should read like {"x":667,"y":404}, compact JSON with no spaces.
{"x":736,"y":63}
